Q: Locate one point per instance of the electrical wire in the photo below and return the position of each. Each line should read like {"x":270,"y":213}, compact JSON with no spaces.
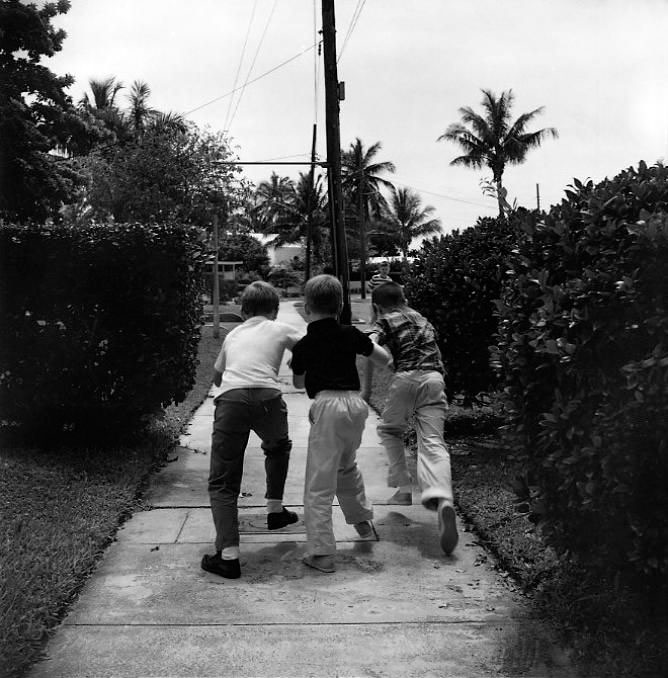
{"x":351,"y":27}
{"x":442,"y":195}
{"x":250,"y":70}
{"x":250,"y":82}
{"x":241,"y":58}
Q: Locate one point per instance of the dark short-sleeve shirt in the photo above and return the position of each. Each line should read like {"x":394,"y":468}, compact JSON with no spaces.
{"x":327,"y":355}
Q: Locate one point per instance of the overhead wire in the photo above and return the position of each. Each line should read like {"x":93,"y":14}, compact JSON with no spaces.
{"x":351,"y":27}
{"x":241,"y":58}
{"x":250,"y":82}
{"x":250,"y":70}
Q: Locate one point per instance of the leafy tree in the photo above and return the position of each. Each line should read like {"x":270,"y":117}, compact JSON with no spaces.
{"x":163,"y":175}
{"x":36,"y":115}
{"x":492,"y":140}
{"x":362,"y":183}
{"x":410,"y":220}
{"x":246,"y":248}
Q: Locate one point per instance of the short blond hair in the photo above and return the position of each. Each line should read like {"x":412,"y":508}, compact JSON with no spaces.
{"x":324,"y":294}
{"x":259,"y":298}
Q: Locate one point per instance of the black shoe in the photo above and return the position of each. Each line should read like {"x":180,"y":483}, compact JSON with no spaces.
{"x":275,"y":521}
{"x":229,"y":569}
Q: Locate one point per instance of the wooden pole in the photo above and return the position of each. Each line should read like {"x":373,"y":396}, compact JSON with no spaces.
{"x":334,"y":152}
{"x":216,"y":285}
{"x":311,"y":207}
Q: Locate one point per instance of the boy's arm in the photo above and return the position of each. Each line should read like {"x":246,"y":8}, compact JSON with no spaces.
{"x":219,"y":366}
{"x":298,"y":371}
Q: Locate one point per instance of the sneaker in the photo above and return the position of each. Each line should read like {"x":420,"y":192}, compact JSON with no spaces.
{"x":275,"y":521}
{"x":229,"y":569}
{"x":320,"y":563}
{"x":447,"y":528}
{"x":366,"y":530}
{"x":400,"y":499}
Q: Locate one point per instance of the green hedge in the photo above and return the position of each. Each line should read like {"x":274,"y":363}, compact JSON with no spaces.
{"x":583,"y":345}
{"x":454,"y":281}
{"x":98,"y":326}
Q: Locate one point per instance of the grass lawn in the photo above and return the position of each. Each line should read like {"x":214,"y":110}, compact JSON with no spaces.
{"x":60,"y":508}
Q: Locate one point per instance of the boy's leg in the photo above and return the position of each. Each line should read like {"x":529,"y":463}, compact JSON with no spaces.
{"x":322,"y":464}
{"x":434,"y":472}
{"x":400,"y":403}
{"x":271,"y":425}
{"x":231,"y":428}
{"x":350,"y":491}
{"x":433,"y":463}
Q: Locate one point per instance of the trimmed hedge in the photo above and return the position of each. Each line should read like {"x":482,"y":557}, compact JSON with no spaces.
{"x":583,"y":345}
{"x":454,"y":281}
{"x":98,"y":325}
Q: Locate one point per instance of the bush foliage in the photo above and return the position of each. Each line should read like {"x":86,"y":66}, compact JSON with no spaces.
{"x":583,"y":344}
{"x":99,"y":325}
{"x":454,"y":281}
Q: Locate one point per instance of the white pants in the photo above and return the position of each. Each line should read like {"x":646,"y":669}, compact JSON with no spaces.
{"x":337,"y":422}
{"x":419,"y":393}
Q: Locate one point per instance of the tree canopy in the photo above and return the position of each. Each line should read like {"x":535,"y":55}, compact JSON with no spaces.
{"x":493,"y":140}
{"x":36,"y":115}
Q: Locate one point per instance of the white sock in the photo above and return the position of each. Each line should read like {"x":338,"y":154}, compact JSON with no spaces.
{"x":406,"y":488}
{"x":230,"y":553}
{"x":274,"y":505}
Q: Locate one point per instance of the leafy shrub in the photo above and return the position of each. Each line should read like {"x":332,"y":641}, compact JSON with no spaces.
{"x":583,"y":343}
{"x":453,"y":281}
{"x":99,"y":325}
{"x":246,"y":248}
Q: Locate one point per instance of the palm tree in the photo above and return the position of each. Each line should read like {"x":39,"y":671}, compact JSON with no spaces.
{"x":140,"y":112}
{"x":361,"y":180}
{"x":492,"y":140}
{"x":272,"y":202}
{"x":409,"y":219}
{"x":104,"y":94}
{"x":103,"y":105}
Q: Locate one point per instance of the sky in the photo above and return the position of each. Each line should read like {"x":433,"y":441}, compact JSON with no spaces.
{"x":598,"y":67}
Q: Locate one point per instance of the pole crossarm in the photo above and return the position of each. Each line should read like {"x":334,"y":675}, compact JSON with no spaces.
{"x":321,"y":163}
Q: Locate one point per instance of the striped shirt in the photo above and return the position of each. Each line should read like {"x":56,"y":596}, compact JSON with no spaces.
{"x":410,"y":338}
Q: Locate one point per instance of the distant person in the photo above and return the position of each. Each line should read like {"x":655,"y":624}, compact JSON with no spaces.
{"x":383,"y":276}
{"x":416,"y":390}
{"x":324,"y":362}
{"x":249,"y":399}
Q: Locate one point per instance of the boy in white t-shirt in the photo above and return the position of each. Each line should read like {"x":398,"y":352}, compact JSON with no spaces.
{"x":249,"y":399}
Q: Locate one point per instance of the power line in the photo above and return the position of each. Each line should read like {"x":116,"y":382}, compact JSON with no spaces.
{"x":442,"y":195}
{"x":250,"y":82}
{"x":250,"y":70}
{"x":241,"y":58}
{"x":351,"y":27}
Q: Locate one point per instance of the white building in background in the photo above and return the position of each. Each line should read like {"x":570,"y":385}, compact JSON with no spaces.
{"x":283,"y":254}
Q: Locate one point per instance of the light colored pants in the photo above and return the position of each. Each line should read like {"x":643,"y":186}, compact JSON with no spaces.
{"x":419,"y":393}
{"x":337,"y":423}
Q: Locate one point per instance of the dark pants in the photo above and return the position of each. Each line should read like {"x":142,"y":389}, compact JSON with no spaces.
{"x":238,"y":412}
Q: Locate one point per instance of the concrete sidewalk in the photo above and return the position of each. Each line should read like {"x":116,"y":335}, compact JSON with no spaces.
{"x":396,"y":607}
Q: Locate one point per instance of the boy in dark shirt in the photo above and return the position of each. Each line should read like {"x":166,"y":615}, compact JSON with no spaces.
{"x":325,"y":362}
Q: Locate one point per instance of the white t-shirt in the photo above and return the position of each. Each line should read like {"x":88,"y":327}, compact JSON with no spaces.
{"x":251,"y":354}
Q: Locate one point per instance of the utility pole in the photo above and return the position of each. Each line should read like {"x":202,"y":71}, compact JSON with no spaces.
{"x":311,"y":207}
{"x":334,"y":154}
{"x":216,"y":284}
{"x":538,"y":196}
